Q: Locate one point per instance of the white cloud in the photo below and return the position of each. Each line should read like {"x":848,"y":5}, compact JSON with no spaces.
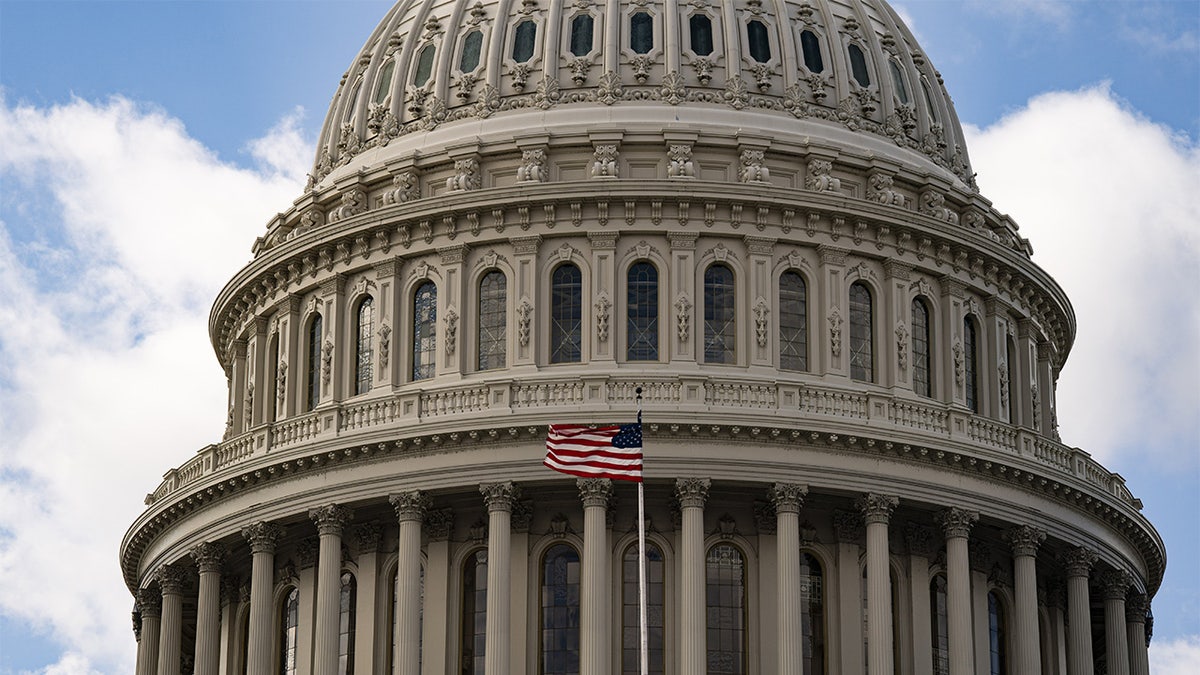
{"x":1175,"y":657}
{"x":1110,"y":203}
{"x":118,"y":230}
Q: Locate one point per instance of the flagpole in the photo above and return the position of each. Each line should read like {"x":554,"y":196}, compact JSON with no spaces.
{"x":645,"y":642}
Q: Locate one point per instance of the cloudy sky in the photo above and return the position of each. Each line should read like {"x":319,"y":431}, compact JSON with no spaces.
{"x":143,"y":147}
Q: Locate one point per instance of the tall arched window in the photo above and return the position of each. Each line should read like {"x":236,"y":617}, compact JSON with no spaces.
{"x":289,"y":632}
{"x":725,"y":576}
{"x":997,"y":636}
{"x":929,"y":101}
{"x":642,"y":312}
{"x":474,"y":613}
{"x":898,"y":81}
{"x":641,"y":32}
{"x":493,"y":320}
{"x":560,"y":611}
{"x":273,"y":365}
{"x":720,"y":320}
{"x":922,"y":374}
{"x":970,"y":363}
{"x":812,"y":614}
{"x":424,"y":364}
{"x":313,"y":384}
{"x":383,"y":85}
{"x":810,"y":44}
{"x":424,"y":65}
{"x":862,"y":361}
{"x":940,"y":626}
{"x":793,"y":322}
{"x":364,"y":325}
{"x":858,"y":66}
{"x":1010,"y":361}
{"x":566,"y":314}
{"x":655,"y":611}
{"x":348,"y":600}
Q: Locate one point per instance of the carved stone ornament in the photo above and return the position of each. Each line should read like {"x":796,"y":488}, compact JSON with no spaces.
{"x":478,"y":532}
{"x":405,"y":188}
{"x":410,"y":505}
{"x":603,"y":307}
{"x":280,"y":382}
{"x":1137,"y":605}
{"x":957,"y":523}
{"x":1116,"y":584}
{"x":835,"y":333}
{"x":500,"y":496}
{"x":820,"y":178}
{"x":726,"y":527}
{"x":262,"y":536}
{"x":385,"y":345}
{"x":307,"y":552}
{"x":787,"y":497}
{"x":692,"y":492}
{"x":367,"y":537}
{"x":680,"y":157}
{"x":524,"y":314}
{"x":208,"y":557}
{"x":683,"y":317}
{"x":172,"y":579}
{"x":354,"y":202}
{"x":559,"y":526}
{"x":149,"y":603}
{"x":466,"y":175}
{"x":522,"y":515}
{"x":919,"y":540}
{"x":604,"y":161}
{"x":1025,"y":540}
{"x":752,"y":169}
{"x":847,"y":526}
{"x":1002,"y":373}
{"x":439,"y":523}
{"x":594,"y":492}
{"x":331,"y":518}
{"x":876,"y":508}
{"x":879,"y":189}
{"x":901,"y":345}
{"x":451,"y":319}
{"x":959,"y":366}
{"x":761,"y":310}
{"x":533,"y":166}
{"x":765,"y":520}
{"x":933,"y":204}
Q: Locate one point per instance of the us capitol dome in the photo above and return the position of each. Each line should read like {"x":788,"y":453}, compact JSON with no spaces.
{"x":761,"y":213}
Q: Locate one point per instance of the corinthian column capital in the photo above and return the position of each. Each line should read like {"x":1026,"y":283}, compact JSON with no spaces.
{"x":1025,"y":540}
{"x":1079,"y":561}
{"x":331,"y":518}
{"x":262,"y":536}
{"x":877,"y":508}
{"x":208,"y":556}
{"x":500,"y":496}
{"x":787,"y":497}
{"x":149,"y":603}
{"x":692,"y":492}
{"x":1137,"y":605}
{"x":1116,"y":584}
{"x":171,"y":579}
{"x":957,"y":523}
{"x":410,"y":505}
{"x":594,"y":491}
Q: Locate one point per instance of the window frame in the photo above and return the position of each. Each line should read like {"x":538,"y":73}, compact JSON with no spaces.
{"x":654,"y":298}
{"x":418,"y":367}
{"x":544,"y":559}
{"x":730,"y":341}
{"x":480,"y":326}
{"x":314,"y":334}
{"x":802,"y":324}
{"x":930,"y":373}
{"x":556,"y":315}
{"x":363,"y":369}
{"x":869,"y":342}
{"x":744,"y":629}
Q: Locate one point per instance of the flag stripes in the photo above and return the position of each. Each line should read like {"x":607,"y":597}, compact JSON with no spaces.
{"x":613,"y":452}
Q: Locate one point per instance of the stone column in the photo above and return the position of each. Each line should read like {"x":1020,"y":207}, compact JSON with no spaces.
{"x":1116,"y":584}
{"x":1025,"y":541}
{"x":1079,"y":614}
{"x":231,"y":651}
{"x":171,"y":580}
{"x":692,"y":493}
{"x":410,"y":511}
{"x":150,"y":605}
{"x":1136,"y":607}
{"x":956,"y":524}
{"x":260,"y":650}
{"x":499,"y":498}
{"x":596,"y":618}
{"x":877,"y":510}
{"x":330,"y":520}
{"x":787,"y":499}
{"x":208,"y":558}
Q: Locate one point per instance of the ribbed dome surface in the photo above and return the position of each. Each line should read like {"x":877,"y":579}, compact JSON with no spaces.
{"x":846,"y":73}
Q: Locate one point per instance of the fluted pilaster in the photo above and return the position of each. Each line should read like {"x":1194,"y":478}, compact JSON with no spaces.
{"x":260,"y":653}
{"x":171,"y":581}
{"x":691,"y":494}
{"x":150,"y":606}
{"x":877,"y":511}
{"x":499,"y":498}
{"x":594,"y":603}
{"x":1116,"y":584}
{"x":208,"y":557}
{"x":956,"y":525}
{"x":1079,"y":614}
{"x":1136,"y":607}
{"x":411,"y":508}
{"x":1025,"y":541}
{"x":788,"y":498}
{"x":330,"y":520}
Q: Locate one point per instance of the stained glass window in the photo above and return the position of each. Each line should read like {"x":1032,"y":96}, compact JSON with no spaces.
{"x":346,"y":620}
{"x":493,"y":320}
{"x":725,"y":604}
{"x":997,"y":636}
{"x":566,"y":314}
{"x":642,"y":312}
{"x":701,"y":29}
{"x":898,"y":81}
{"x":858,"y":66}
{"x":383,"y":84}
{"x":523,"y":40}
{"x":970,"y":363}
{"x":810,"y":44}
{"x":289,"y":620}
{"x":468,"y":61}
{"x":793,"y":322}
{"x":581,"y":34}
{"x":760,"y":44}
{"x":560,"y":610}
{"x":425,"y":331}
{"x":922,"y":373}
{"x":940,"y":628}
{"x":655,"y":611}
{"x":862,"y":362}
{"x":364,"y":325}
{"x":424,"y":65}
{"x":720,"y":321}
{"x":474,"y":612}
{"x":641,"y":32}
{"x":314,"y":362}
{"x":812,"y":614}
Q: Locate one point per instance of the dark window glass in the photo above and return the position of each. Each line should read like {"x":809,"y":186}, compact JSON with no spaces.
{"x":273,"y":364}
{"x":760,"y":45}
{"x":384,"y":84}
{"x":858,"y":66}
{"x":655,"y":611}
{"x":922,"y":373}
{"x":523,"y":39}
{"x":940,"y":628}
{"x":720,"y":322}
{"x":862,"y":362}
{"x":898,"y":81}
{"x":641,"y":32}
{"x":793,"y":322}
{"x":424,"y":331}
{"x":566,"y":315}
{"x":560,"y":611}
{"x":642,"y":312}
{"x":474,"y":612}
{"x":997,"y":637}
{"x":349,"y":598}
{"x":1011,"y":366}
{"x":929,"y":101}
{"x":493,"y":320}
{"x":424,"y":65}
{"x":810,"y":44}
{"x":314,"y":362}
{"x":702,"y":34}
{"x":362,"y":350}
{"x":581,"y":34}
{"x":970,"y":364}
{"x":725,"y":605}
{"x":472,"y":46}
{"x":349,"y":113}
{"x":289,"y":620}
{"x":812,"y":614}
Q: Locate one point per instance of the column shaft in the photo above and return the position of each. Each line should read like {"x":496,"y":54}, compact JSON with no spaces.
{"x":260,"y":650}
{"x":692,"y":607}
{"x":208,"y":623}
{"x":499,"y":497}
{"x":790,"y":629}
{"x":1079,"y":628}
{"x":408,"y":599}
{"x":1139,"y":658}
{"x":879,"y":601}
{"x":330,"y":520}
{"x":1116,"y":638}
{"x":170,"y":640}
{"x":147,"y":663}
{"x":595,"y":646}
{"x":958,"y":610}
{"x":1028,"y":642}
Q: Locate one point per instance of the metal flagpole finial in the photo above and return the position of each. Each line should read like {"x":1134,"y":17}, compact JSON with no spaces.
{"x":638,"y":391}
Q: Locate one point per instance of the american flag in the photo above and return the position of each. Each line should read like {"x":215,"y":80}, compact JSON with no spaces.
{"x":596,"y":452}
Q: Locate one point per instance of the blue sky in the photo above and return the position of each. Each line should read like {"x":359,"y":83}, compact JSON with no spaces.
{"x":143,"y":146}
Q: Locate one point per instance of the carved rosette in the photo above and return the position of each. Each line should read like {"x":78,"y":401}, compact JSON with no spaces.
{"x":847,"y":527}
{"x":410,"y":505}
{"x":500,"y":496}
{"x":331,"y":518}
{"x":262,"y":536}
{"x":149,"y":603}
{"x":787,"y":497}
{"x":876,"y":508}
{"x":957,"y":523}
{"x":919,"y":540}
{"x":1137,"y":605}
{"x":171,"y":579}
{"x":367,"y":537}
{"x":692,"y":492}
{"x":1078,"y":562}
{"x":594,"y":491}
{"x":208,"y":557}
{"x":1116,"y":584}
{"x":1025,"y":540}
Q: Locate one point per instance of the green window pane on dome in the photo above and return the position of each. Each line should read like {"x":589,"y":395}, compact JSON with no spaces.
{"x":384,"y":84}
{"x":858,"y":66}
{"x":810,"y":44}
{"x":898,"y":82}
{"x":472,"y":46}
{"x":424,"y":65}
{"x":702,"y":34}
{"x":641,"y":33}
{"x":523,"y":40}
{"x":581,"y":35}
{"x":760,"y":44}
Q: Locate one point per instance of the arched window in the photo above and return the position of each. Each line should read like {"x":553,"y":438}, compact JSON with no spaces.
{"x":720,"y":321}
{"x":560,"y":611}
{"x":348,"y":600}
{"x":642,"y":312}
{"x":364,"y":325}
{"x":641,"y":32}
{"x":922,"y":374}
{"x":1010,"y":360}
{"x":810,"y":44}
{"x":566,"y":314}
{"x":929,"y":101}
{"x":468,"y":61}
{"x":349,"y":112}
{"x":582,"y":27}
{"x":314,"y":362}
{"x":898,"y":81}
{"x":759,"y":43}
{"x":424,"y":65}
{"x":474,"y":613}
{"x":793,"y":322}
{"x":289,"y":632}
{"x":700,"y":27}
{"x":655,"y":611}
{"x":997,"y":636}
{"x":424,"y":363}
{"x":383,"y":84}
{"x":970,"y":363}
{"x":858,"y":66}
{"x":862,"y":361}
{"x":493,"y":320}
{"x":725,"y":577}
{"x":524,"y":38}
{"x":812,"y":614}
{"x":940,"y":626}
{"x":273,"y":365}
